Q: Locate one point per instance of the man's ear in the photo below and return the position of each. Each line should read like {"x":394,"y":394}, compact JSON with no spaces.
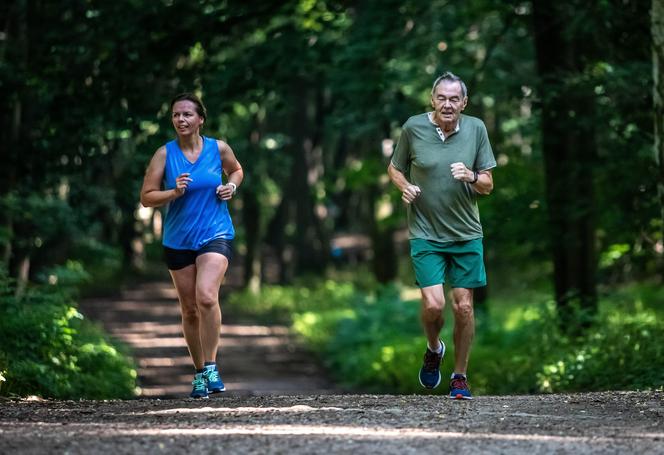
{"x":465,"y":103}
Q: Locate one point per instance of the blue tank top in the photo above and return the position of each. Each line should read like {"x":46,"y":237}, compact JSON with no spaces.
{"x":198,"y":216}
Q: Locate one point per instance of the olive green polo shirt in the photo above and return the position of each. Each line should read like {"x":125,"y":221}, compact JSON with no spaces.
{"x":446,"y":210}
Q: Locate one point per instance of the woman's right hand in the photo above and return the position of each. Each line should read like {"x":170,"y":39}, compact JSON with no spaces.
{"x":181,"y":183}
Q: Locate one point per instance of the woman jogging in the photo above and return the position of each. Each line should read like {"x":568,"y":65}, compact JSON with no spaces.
{"x":186,"y":174}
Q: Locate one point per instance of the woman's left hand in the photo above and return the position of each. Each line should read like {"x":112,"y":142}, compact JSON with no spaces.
{"x":225,"y":192}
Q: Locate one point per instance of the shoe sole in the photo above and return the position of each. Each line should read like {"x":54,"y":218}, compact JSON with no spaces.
{"x":216,"y":390}
{"x":440,"y":378}
{"x":199,"y":398}
{"x":458,"y":396}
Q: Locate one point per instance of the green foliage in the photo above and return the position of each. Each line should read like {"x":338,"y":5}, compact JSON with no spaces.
{"x":69,"y":276}
{"x":373,"y":341}
{"x":48,"y":349}
{"x":354,"y":74}
{"x":279,"y":304}
{"x":623,"y":352}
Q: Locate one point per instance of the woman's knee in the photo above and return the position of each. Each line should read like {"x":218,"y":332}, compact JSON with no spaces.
{"x":207,"y":300}
{"x":189,"y":311}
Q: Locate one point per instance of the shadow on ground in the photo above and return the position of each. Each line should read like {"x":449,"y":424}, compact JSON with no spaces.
{"x":253,"y":359}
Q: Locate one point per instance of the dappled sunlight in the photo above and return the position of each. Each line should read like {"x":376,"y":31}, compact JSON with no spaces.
{"x":240,"y":341}
{"x":152,"y":291}
{"x":410,"y":293}
{"x":181,"y":386}
{"x":171,"y":390}
{"x":248,"y":409}
{"x":373,"y":433}
{"x":342,"y":432}
{"x":152,"y":362}
{"x":150,"y":309}
{"x":151,"y":328}
{"x":140,"y":342}
{"x":253,"y":330}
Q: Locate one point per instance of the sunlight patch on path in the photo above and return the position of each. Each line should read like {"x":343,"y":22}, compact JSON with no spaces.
{"x":246,"y":409}
{"x":333,"y":431}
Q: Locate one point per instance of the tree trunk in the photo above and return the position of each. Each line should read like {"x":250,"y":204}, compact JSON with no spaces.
{"x":568,"y":146}
{"x":385,"y":263}
{"x":251,"y":216}
{"x":277,"y":239}
{"x":17,"y":26}
{"x":657,"y":28}
{"x":310,"y":246}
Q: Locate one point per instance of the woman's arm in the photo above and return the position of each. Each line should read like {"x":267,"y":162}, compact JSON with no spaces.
{"x":232,"y":168}
{"x":151,"y":193}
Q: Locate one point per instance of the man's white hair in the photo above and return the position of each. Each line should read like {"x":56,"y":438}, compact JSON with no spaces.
{"x":451,"y":77}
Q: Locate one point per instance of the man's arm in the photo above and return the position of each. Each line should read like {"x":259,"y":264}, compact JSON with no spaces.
{"x":481,"y":182}
{"x":409,"y":192}
{"x":484,"y":184}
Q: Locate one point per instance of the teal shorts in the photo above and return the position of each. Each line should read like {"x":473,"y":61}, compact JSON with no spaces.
{"x":461,"y":262}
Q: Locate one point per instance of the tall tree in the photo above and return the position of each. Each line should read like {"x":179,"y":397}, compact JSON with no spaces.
{"x":657,"y":29}
{"x":564,"y":52}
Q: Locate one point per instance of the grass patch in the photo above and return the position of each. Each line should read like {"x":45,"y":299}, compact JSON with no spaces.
{"x":373,"y":341}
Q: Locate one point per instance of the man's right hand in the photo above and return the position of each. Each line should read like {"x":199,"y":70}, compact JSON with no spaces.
{"x":410,"y":193}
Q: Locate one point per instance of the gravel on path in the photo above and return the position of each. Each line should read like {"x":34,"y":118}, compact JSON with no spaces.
{"x":594,"y":423}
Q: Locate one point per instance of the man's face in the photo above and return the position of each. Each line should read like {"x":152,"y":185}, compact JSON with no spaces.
{"x":448,"y":101}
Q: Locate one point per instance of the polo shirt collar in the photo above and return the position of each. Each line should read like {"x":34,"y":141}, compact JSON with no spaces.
{"x":440,"y":131}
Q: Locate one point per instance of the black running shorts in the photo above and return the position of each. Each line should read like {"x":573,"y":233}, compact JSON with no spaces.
{"x":179,"y":259}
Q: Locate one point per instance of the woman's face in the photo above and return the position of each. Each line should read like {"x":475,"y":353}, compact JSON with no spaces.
{"x":185,"y":118}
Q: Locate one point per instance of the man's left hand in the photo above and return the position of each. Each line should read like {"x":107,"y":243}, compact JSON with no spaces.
{"x":461,"y":172}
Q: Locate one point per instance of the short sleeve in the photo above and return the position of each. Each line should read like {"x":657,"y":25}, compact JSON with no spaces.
{"x":401,"y":156}
{"x":485,"y":159}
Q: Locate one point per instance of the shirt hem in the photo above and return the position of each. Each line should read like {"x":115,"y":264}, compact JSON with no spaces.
{"x":180,"y":247}
{"x":438,"y":239}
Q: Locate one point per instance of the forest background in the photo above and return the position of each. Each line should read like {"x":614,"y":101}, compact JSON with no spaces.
{"x":311,"y":95}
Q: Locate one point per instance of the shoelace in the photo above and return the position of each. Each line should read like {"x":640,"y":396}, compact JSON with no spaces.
{"x":212,"y":376}
{"x":199,"y":384}
{"x":459,"y":383}
{"x":431,"y":361}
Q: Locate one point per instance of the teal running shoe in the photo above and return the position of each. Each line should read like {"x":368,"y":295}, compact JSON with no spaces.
{"x":430,"y":372}
{"x":459,"y":389}
{"x":213,"y":381}
{"x":200,"y":388}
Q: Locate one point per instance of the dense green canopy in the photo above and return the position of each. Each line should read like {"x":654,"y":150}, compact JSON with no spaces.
{"x":311,"y":95}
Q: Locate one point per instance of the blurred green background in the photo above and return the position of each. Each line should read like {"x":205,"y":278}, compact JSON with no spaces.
{"x":311,"y":95}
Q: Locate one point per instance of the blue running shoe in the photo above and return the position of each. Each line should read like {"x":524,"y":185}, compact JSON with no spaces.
{"x":459,"y":389}
{"x":430,"y":371}
{"x":213,"y":380}
{"x":200,"y":389}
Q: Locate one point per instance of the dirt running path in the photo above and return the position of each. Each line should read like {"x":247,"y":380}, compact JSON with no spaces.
{"x":598,"y":423}
{"x":254,"y":359}
{"x":278,"y":402}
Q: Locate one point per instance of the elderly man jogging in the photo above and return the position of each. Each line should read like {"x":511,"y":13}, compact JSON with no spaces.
{"x":442,"y":162}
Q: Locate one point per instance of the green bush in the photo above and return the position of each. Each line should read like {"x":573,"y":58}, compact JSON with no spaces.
{"x":279,"y":304}
{"x":622,"y":352}
{"x":373,"y":341}
{"x":47,"y":349}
